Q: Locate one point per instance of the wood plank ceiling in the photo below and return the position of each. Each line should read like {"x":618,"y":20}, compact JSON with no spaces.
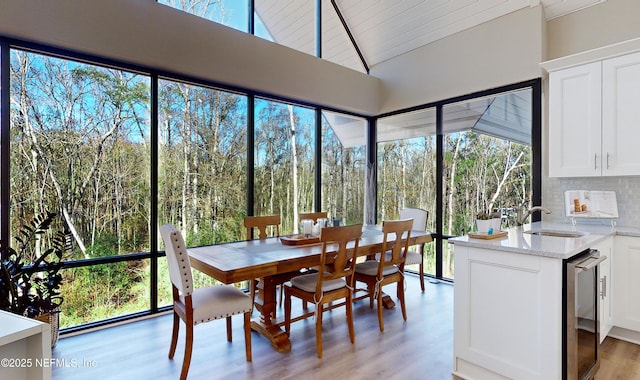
{"x":384,"y":29}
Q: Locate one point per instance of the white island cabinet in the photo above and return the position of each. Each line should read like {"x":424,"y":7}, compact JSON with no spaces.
{"x":508,"y":297}
{"x":25,"y":348}
{"x":507,"y":320}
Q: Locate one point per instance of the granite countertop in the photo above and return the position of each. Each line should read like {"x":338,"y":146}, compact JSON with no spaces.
{"x":518,"y":241}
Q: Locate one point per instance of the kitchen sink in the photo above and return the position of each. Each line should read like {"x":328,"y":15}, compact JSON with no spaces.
{"x":556,"y":233}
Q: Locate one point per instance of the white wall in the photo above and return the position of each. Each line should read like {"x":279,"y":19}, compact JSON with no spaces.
{"x":497,"y":53}
{"x":147,"y":33}
{"x":597,"y":26}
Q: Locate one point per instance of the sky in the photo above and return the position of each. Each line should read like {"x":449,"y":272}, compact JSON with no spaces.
{"x":235,"y":16}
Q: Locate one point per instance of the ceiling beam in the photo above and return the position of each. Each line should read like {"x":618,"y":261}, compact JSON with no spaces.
{"x":353,"y":40}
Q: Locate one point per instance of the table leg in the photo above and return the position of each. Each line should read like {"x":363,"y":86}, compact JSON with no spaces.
{"x":266,"y":305}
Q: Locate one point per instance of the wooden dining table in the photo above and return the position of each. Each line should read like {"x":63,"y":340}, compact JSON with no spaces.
{"x":274,"y":263}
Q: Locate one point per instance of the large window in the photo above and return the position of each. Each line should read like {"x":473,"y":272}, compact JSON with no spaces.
{"x":232,"y":13}
{"x":289,"y":23}
{"x":80,"y":148}
{"x":83,"y":145}
{"x":343,"y":167}
{"x":202,"y":148}
{"x":487,"y":164}
{"x":202,"y":139}
{"x":284,"y":161}
{"x":406,"y":169}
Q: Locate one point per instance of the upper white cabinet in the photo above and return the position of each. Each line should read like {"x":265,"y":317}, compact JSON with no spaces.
{"x":594,"y":118}
{"x":575,"y":121}
{"x":621,"y":115}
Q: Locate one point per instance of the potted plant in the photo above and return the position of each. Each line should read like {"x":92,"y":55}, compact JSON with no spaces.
{"x":486,"y":221}
{"x":29,"y":274}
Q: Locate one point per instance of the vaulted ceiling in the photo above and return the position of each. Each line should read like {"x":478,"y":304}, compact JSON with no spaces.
{"x":360,"y":34}
{"x":384,"y":29}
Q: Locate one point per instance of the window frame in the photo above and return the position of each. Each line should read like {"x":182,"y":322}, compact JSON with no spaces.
{"x":6,"y":44}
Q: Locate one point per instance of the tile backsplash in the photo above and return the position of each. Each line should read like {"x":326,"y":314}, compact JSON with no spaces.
{"x":627,"y":193}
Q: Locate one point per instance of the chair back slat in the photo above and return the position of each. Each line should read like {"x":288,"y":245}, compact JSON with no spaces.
{"x":341,"y":261}
{"x":261,"y":223}
{"x":177,"y":258}
{"x":419,"y":217}
{"x":401,"y":229}
{"x":313,"y":215}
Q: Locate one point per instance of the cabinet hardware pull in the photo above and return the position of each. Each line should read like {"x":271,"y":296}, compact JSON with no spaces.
{"x":603,"y":293}
{"x":595,"y":161}
{"x":590,"y":262}
{"x":607,"y":160}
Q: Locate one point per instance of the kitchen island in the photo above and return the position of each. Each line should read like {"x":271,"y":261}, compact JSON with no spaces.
{"x":508,"y":300}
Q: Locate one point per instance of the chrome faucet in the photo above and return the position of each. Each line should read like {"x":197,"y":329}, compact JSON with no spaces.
{"x":522,"y":216}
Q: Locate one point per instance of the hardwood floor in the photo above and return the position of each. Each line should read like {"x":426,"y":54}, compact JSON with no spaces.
{"x":619,"y":360}
{"x":421,"y":348}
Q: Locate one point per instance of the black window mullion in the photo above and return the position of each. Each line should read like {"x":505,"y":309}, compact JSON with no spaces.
{"x":251,"y":17}
{"x":371,"y":174}
{"x":439,"y":188}
{"x":251,"y":103}
{"x":153,"y":188}
{"x":5,"y":134}
{"x":536,"y":147}
{"x":318,"y":157}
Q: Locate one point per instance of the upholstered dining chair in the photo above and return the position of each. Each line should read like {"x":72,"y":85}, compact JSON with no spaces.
{"x":419,"y":217}
{"x":195,"y":306}
{"x":335,"y":283}
{"x":262,"y":224}
{"x":389,"y":268}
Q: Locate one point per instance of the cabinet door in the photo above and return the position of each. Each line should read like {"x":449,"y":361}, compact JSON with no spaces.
{"x":626,"y":282}
{"x":575,"y":121}
{"x":604,"y":288}
{"x":621,"y":115}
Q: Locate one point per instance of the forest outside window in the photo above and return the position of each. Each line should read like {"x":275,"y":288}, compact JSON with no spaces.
{"x":284,"y":173}
{"x":202,"y":147}
{"x":487,"y":161}
{"x":406,"y":168}
{"x":343,"y":166}
{"x":80,"y":148}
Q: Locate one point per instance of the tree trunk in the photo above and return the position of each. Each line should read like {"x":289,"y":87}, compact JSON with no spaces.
{"x":294,"y":168}
{"x":505,"y":176}
{"x":403,"y":172}
{"x":452,"y":186}
{"x":346,"y":161}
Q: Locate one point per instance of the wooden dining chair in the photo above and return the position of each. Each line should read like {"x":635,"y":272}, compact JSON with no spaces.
{"x":388,"y":269}
{"x":313,"y":215}
{"x":262,"y":224}
{"x":335,"y":283}
{"x":195,"y":306}
{"x":419,"y":217}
